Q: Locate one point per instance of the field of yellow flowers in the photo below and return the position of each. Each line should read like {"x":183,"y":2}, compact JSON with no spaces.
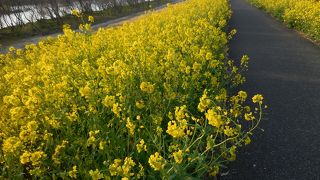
{"x":303,"y":15}
{"x":150,"y":99}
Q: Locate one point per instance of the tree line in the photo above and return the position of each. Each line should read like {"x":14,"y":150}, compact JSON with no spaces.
{"x":18,"y":12}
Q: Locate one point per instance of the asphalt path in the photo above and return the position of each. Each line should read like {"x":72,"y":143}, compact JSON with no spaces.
{"x":118,"y":21}
{"x":285,"y":68}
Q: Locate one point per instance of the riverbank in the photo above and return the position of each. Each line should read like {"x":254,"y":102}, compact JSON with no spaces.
{"x":33,"y":32}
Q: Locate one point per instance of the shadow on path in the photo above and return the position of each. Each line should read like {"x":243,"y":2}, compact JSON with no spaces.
{"x":285,"y":68}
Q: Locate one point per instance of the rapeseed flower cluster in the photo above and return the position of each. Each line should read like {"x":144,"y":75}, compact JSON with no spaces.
{"x":178,"y":156}
{"x":122,"y":168}
{"x":141,"y":146}
{"x":156,"y":161}
{"x":150,"y":98}
{"x":73,"y":172}
{"x":299,"y":14}
{"x":96,"y":174}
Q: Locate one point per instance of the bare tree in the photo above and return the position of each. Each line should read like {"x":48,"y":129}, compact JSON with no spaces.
{"x":14,"y":13}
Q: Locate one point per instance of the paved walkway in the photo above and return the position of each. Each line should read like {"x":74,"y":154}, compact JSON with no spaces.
{"x":284,"y":67}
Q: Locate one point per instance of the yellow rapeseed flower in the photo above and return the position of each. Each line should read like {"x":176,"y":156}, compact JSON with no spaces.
{"x":140,"y":104}
{"x":156,"y":161}
{"x":90,"y":19}
{"x":36,"y":157}
{"x":115,"y":167}
{"x":177,"y":129}
{"x":204,"y":102}
{"x":141,"y":171}
{"x":214,"y":171}
{"x":228,"y":131}
{"x":213,"y":118}
{"x":69,"y":86}
{"x":85,"y":91}
{"x":247,"y":140}
{"x":12,"y":145}
{"x":109,"y":101}
{"x":116,"y":109}
{"x":25,"y":157}
{"x":73,"y":172}
{"x":102,"y":144}
{"x":58,"y":150}
{"x":96,"y":174}
{"x":178,"y":156}
{"x":131,"y":126}
{"x":232,"y":152}
{"x":75,"y":13}
{"x":249,"y":116}
{"x":141,"y":146}
{"x":127,"y":167}
{"x":242,"y":95}
{"x":147,"y":87}
{"x":258,"y":98}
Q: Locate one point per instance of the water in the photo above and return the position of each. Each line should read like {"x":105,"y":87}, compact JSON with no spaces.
{"x":33,"y":13}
